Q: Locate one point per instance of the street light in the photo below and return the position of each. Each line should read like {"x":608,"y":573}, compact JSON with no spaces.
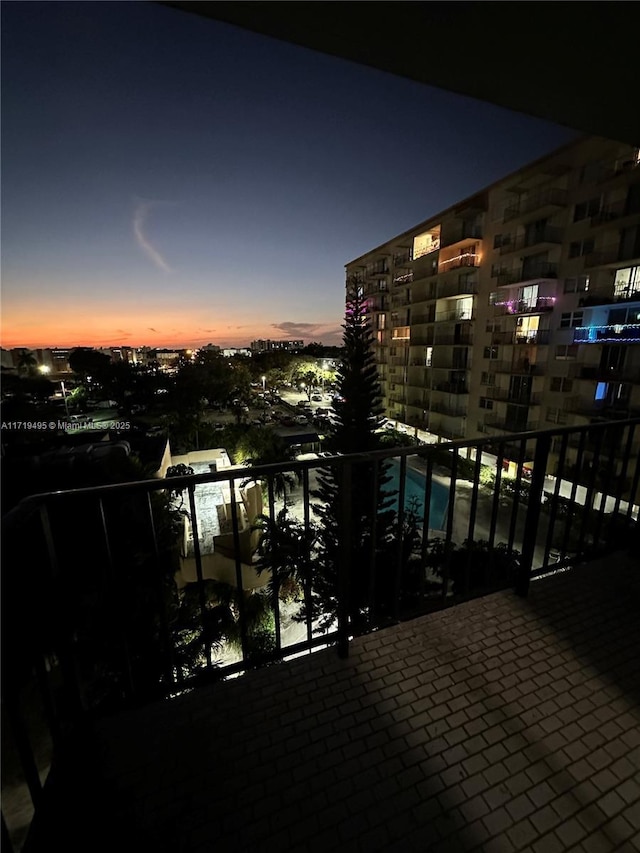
{"x":264,"y":383}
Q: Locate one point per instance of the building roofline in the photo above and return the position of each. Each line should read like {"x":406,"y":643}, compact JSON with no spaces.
{"x":441,"y":213}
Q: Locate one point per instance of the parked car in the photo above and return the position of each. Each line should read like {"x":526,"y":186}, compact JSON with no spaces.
{"x":316,"y":398}
{"x":301,"y":419}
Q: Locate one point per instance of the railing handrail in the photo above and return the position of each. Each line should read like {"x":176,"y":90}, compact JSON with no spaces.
{"x":263,"y":471}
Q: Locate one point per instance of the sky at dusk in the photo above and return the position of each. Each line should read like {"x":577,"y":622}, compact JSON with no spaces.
{"x":168,"y":180}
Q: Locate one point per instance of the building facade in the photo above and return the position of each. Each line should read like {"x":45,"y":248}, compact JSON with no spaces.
{"x":518,"y":308}
{"x":271,"y":346}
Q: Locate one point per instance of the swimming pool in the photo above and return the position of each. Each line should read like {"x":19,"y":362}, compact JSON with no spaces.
{"x":414,"y":495}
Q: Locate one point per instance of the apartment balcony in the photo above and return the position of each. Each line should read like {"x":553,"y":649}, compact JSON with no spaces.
{"x":525,"y":274}
{"x":609,"y":298}
{"x":421,"y":340}
{"x":518,"y":367}
{"x":614,"y":212}
{"x":448,"y":289}
{"x":131,"y":768}
{"x":403,"y":278}
{"x":398,"y":301}
{"x":503,"y":395}
{"x":539,"y":337}
{"x":509,"y":425}
{"x":421,"y":319}
{"x":454,"y":340}
{"x":455,"y":316}
{"x":628,"y":333}
{"x":548,"y":199}
{"x":375,"y":271}
{"x":515,"y":307}
{"x":461,"y":236}
{"x":548,"y":236}
{"x":605,"y":374}
{"x":611,"y":256}
{"x":402,"y":260}
{"x":451,"y":410}
{"x":468,"y":259}
{"x":618,"y":168}
{"x":590,"y":408}
{"x":452,"y":387}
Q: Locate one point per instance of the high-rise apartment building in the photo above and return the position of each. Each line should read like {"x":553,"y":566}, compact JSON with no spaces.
{"x":517,"y":308}
{"x":272,"y":346}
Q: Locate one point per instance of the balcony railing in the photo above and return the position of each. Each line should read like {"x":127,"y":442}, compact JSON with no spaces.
{"x":629,"y":333}
{"x":403,"y":278}
{"x":460,"y":234}
{"x":503,"y":395}
{"x":627,"y":374}
{"x":546,"y":235}
{"x":443,"y":408}
{"x":611,"y":255}
{"x":509,"y":425}
{"x":533,"y":272}
{"x":464,"y":288}
{"x":609,"y":298}
{"x":524,"y":306}
{"x":454,"y":316}
{"x":454,"y":340}
{"x":551,"y":197}
{"x":104,"y":626}
{"x":619,"y":167}
{"x":520,"y":366}
{"x":452,"y":387}
{"x":535,"y":338}
{"x":469,"y":259}
{"x":613,"y":212}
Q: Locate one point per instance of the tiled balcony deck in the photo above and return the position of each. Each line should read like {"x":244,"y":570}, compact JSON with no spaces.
{"x":502,"y":724}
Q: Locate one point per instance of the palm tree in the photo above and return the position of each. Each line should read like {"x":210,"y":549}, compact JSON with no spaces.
{"x":27,"y":363}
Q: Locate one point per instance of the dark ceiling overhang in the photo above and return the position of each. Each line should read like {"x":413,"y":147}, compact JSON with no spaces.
{"x":574,"y":64}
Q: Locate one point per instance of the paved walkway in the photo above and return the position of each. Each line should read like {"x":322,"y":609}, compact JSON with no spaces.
{"x":503,"y":724}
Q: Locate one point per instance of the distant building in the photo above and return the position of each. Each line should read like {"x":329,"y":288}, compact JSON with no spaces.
{"x":231,"y":351}
{"x":60,"y":360}
{"x":270,"y":346}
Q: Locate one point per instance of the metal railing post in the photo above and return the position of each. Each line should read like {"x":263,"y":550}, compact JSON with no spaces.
{"x":344,"y":563}
{"x":532,"y":517}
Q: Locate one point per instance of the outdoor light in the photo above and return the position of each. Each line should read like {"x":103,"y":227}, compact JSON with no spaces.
{"x":264,"y":382}
{"x":44,"y":368}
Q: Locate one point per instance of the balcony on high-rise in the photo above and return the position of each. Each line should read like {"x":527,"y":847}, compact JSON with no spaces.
{"x":537,"y":237}
{"x":627,"y":333}
{"x":536,"y":202}
{"x":535,"y":271}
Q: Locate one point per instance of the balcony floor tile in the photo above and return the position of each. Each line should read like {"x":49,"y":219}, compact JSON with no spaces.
{"x":399,"y":767}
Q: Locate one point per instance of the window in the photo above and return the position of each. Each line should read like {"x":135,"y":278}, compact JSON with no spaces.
{"x":566,"y":352}
{"x":425,"y":243}
{"x":626,"y":283}
{"x":382,"y":284}
{"x":381,"y":321}
{"x":577,"y":285}
{"x":556,"y":416}
{"x":493,"y":327}
{"x":501,"y":240}
{"x":587,"y":208}
{"x":490,"y":352}
{"x":581,"y":247}
{"x":486,"y":403}
{"x":571,"y":320}
{"x":559,"y":383}
{"x":428,"y":356}
{"x":488,"y":379}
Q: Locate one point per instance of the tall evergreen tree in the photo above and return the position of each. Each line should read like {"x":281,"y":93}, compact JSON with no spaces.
{"x":359,"y":550}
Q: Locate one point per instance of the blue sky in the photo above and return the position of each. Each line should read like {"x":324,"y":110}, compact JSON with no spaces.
{"x":170,"y":180}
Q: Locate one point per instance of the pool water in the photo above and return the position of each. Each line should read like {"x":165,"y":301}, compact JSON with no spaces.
{"x":414,"y":495}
